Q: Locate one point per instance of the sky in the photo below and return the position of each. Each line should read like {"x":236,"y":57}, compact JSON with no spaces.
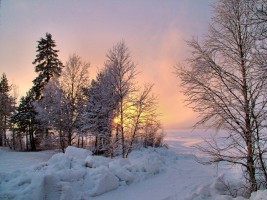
{"x":155,"y":31}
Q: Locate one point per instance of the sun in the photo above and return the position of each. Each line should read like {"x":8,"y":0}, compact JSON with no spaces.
{"x":116,"y":120}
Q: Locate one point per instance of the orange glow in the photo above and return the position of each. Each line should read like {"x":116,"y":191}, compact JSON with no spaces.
{"x":116,"y":120}
{"x":93,"y":27}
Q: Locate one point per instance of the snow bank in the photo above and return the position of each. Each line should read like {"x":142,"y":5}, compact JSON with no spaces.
{"x":79,"y":175}
{"x":218,"y":190}
{"x":260,"y":195}
{"x":77,"y":152}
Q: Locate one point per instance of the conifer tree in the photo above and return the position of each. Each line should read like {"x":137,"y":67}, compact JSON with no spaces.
{"x":25,"y":119}
{"x":6,"y":103}
{"x":47,"y":63}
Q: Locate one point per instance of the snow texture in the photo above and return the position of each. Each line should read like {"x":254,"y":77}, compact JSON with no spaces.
{"x":79,"y":175}
{"x":156,"y":174}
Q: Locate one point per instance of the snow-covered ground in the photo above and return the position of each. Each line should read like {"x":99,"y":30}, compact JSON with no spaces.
{"x":156,"y":174}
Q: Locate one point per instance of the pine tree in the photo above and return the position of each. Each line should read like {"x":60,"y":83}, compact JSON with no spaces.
{"x":6,"y":105}
{"x":25,"y":119}
{"x":47,"y":63}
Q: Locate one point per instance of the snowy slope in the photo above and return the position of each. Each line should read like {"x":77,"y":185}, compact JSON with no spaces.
{"x":156,"y":174}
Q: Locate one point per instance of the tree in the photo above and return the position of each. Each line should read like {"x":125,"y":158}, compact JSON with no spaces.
{"x":52,"y":112}
{"x":6,"y":108}
{"x":225,"y":82}
{"x":74,"y":79}
{"x":119,"y":115}
{"x":142,"y":119}
{"x":14,"y":96}
{"x":47,"y":63}
{"x":258,"y":9}
{"x":58,"y":109}
{"x":47,"y":66}
{"x":99,"y":112}
{"x":123,"y":73}
{"x":24,"y":120}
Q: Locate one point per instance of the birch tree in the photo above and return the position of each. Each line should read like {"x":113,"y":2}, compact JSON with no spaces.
{"x":123,"y":73}
{"x":74,"y":79}
{"x":225,"y":82}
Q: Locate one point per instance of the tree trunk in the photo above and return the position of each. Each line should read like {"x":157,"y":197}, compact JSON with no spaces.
{"x":27,"y":141}
{"x":14,"y":140}
{"x":32,"y":140}
{"x":69,"y":138}
{"x":62,"y":142}
{"x":251,"y":168}
{"x":82,"y":141}
{"x":1,"y":137}
{"x":96,"y":145}
{"x":122,"y":131}
{"x":4,"y":131}
{"x":20,"y":142}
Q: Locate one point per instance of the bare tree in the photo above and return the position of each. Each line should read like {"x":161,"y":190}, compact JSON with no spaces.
{"x":258,"y":9}
{"x":123,"y":73}
{"x":142,"y":110}
{"x":74,"y":78}
{"x":225,"y":82}
{"x":118,"y":113}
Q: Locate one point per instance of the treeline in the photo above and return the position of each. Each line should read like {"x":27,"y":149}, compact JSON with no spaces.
{"x":110,"y":114}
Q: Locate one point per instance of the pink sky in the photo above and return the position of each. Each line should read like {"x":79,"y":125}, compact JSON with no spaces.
{"x":154,"y":30}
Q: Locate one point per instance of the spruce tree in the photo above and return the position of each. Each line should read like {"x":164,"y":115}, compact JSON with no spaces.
{"x":47,"y":64}
{"x":6,"y":104}
{"x":25,"y":119}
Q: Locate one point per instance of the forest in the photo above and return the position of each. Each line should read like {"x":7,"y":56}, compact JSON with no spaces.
{"x":110,"y":114}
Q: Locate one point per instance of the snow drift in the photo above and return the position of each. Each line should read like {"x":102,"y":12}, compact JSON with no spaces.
{"x":79,"y":175}
{"x":148,"y":174}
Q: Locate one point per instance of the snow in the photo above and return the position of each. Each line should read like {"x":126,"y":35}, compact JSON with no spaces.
{"x":77,"y":152}
{"x":157,"y":174}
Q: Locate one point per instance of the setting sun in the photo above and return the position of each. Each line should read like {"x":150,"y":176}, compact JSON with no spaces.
{"x":116,"y":120}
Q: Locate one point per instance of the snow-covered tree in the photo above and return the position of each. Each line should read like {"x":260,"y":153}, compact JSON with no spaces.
{"x":24,"y":120}
{"x":97,"y":117}
{"x":123,"y":74}
{"x":75,"y":77}
{"x":52,"y":112}
{"x":47,"y":66}
{"x":116,"y":112}
{"x":225,"y":82}
{"x":58,"y":109}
